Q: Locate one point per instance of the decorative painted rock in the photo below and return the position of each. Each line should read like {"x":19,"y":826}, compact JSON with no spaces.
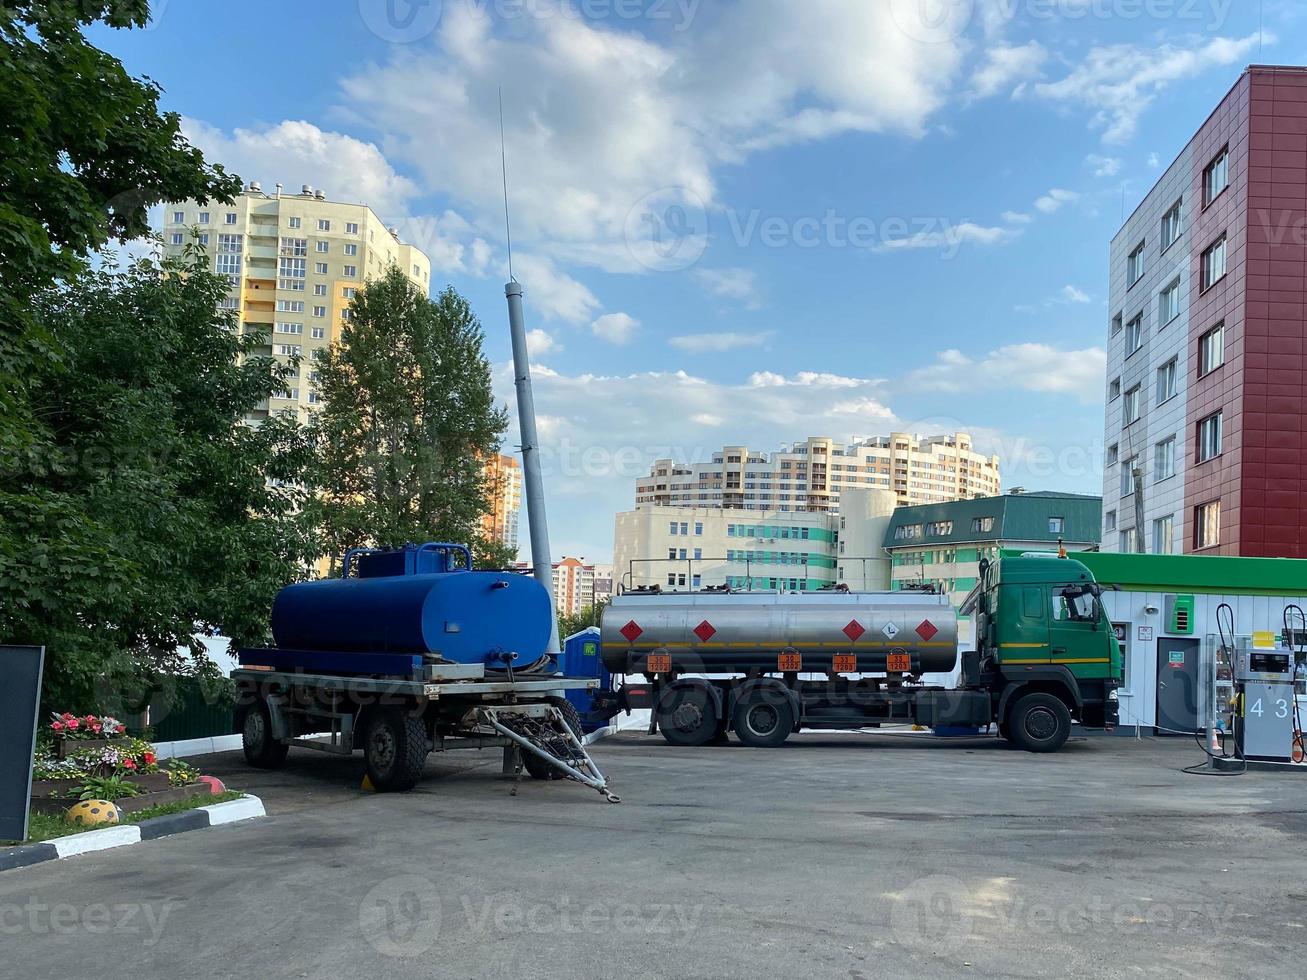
{"x":93,"y":813}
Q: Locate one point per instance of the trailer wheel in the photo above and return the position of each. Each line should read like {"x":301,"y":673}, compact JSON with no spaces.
{"x":254,"y":722}
{"x":395,"y":749}
{"x":1039,"y":723}
{"x":687,"y":715}
{"x":763,"y":719}
{"x":535,"y":766}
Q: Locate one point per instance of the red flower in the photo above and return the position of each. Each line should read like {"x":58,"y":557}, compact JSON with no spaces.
{"x":73,"y":724}
{"x":149,"y":758}
{"x":129,"y":764}
{"x":66,"y":716}
{"x":91,"y":719}
{"x":96,"y":727}
{"x":58,"y":726}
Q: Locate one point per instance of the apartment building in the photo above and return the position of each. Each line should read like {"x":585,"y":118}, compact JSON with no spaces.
{"x":574,"y":586}
{"x":504,"y":476}
{"x":1207,"y":372}
{"x":294,"y":263}
{"x":811,"y":476}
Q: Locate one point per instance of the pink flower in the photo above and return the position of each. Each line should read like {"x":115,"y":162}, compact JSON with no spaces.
{"x":129,"y":763}
{"x":58,"y":726}
{"x":73,"y":724}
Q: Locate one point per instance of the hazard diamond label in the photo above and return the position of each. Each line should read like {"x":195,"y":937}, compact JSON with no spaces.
{"x":705,"y":631}
{"x":890,"y":630}
{"x":854,"y":630}
{"x":926,"y":630}
{"x":631,"y":631}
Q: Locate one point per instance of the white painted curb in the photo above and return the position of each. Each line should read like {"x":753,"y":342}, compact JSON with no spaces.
{"x":96,"y":840}
{"x":245,"y":808}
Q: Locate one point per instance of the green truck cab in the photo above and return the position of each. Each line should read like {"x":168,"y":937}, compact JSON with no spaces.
{"x":1045,"y":648}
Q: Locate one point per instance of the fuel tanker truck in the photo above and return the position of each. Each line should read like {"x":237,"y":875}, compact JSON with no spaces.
{"x":765,"y":664}
{"x":408,"y":652}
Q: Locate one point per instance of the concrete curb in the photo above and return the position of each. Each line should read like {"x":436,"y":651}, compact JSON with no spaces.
{"x":201,"y":818}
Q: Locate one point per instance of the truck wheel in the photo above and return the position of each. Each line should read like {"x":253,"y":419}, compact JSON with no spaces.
{"x":687,"y":715}
{"x":763,"y":719}
{"x":1039,"y":723}
{"x":535,"y":766}
{"x":395,"y":749}
{"x":262,"y":751}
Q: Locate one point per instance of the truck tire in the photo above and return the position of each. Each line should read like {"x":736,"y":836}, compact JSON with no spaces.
{"x":762,"y":719}
{"x":254,"y":722}
{"x":535,"y":766}
{"x":687,"y":715}
{"x":395,"y":749}
{"x":1039,"y":723}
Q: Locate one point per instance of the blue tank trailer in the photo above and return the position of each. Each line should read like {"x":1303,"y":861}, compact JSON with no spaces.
{"x":412,"y":651}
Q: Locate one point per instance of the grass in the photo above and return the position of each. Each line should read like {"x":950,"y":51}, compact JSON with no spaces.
{"x":45,"y":826}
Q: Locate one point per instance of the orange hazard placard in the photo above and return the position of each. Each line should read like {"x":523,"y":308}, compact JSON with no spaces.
{"x":844,"y":663}
{"x":789,"y":663}
{"x":659,"y":663}
{"x":898,"y":663}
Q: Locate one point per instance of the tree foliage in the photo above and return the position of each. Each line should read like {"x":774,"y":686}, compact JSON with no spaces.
{"x":584,"y":619}
{"x":151,"y":514}
{"x":409,"y":421}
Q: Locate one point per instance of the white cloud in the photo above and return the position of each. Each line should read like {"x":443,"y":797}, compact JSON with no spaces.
{"x":1120,"y":81}
{"x":616,"y":328}
{"x":1154,"y":160}
{"x":1005,"y":65}
{"x":1103,"y":166}
{"x":539,"y":343}
{"x":717,"y":342}
{"x":297,"y":153}
{"x":1054,"y":200}
{"x":708,"y":419}
{"x":1029,"y":367}
{"x":1016,"y":218}
{"x":949,"y":238}
{"x":644,"y":115}
{"x":1073,"y":295}
{"x":735,"y":284}
{"x":553,"y":292}
{"x":805,"y":379}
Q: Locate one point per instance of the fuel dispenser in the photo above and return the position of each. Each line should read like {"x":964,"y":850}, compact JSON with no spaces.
{"x":1265,"y":676}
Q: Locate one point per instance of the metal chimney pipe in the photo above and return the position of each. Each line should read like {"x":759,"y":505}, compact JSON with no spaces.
{"x":532,"y":481}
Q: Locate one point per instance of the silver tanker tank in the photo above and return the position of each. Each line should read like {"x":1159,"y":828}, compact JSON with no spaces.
{"x":726,"y":632}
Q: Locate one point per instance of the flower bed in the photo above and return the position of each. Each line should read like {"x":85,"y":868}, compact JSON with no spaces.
{"x":56,"y":805}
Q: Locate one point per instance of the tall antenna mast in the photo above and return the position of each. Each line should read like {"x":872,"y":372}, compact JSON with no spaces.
{"x":533,"y":481}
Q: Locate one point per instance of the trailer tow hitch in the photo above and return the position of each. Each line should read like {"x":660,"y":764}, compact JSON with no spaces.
{"x":542,"y":731}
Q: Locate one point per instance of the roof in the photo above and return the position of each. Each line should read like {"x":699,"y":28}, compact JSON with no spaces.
{"x":1015,"y":517}
{"x":1199,"y":573}
{"x":1016,"y":568}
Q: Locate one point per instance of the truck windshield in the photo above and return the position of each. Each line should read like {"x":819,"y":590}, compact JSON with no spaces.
{"x":1075,"y":607}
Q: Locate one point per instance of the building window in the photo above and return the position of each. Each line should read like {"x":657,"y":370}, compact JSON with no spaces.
{"x":177,"y":238}
{"x":1163,"y":534}
{"x":1214,"y":263}
{"x":350,"y":271}
{"x":671,"y":528}
{"x":1171,"y":226}
{"x":320,"y":289}
{"x":1056,"y":525}
{"x":351,"y":228}
{"x":292,"y":273}
{"x":230,"y":217}
{"x":320,"y":268}
{"x":982,"y":525}
{"x":1114,"y":390}
{"x":1128,"y":541}
{"x":351,"y":249}
{"x":1113,"y":454}
{"x":698,"y":528}
{"x":1164,"y":460}
{"x":314,"y":398}
{"x":290,"y":328}
{"x":1131,"y":405}
{"x":907,"y":532}
{"x":1117,"y":324}
{"x":1134,"y":334}
{"x":179,"y":217}
{"x":939,"y":528}
{"x":1216,"y":177}
{"x":324,"y":224}
{"x":322,"y":246}
{"x":1134,"y":266}
{"x":1109,"y":520}
{"x":204,"y":239}
{"x":349,"y":292}
{"x":289,"y":350}
{"x":292,"y":222}
{"x":1128,"y":477}
{"x":1207,"y":525}
{"x":319,"y":333}
{"x":1211,"y":350}
{"x":1209,"y":438}
{"x":294,"y":246}
{"x":1168,"y":303}
{"x":319,"y":311}
{"x":1166,"y":380}
{"x":290,"y":306}
{"x":204,"y":217}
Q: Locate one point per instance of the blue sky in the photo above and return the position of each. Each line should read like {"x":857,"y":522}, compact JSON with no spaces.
{"x":741,"y":221}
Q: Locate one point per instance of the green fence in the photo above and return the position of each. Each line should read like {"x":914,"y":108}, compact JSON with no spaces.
{"x":197,"y":712}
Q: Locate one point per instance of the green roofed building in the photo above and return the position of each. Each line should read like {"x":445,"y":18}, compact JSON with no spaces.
{"x":941,"y":545}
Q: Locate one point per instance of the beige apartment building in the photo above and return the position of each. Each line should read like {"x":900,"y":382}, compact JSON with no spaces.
{"x":574,"y":586}
{"x":811,"y":476}
{"x":504,"y":474}
{"x":294,"y":262}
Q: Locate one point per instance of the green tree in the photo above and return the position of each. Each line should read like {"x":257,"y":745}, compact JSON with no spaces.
{"x":85,"y":153}
{"x":409,"y":420}
{"x":153,"y":514}
{"x":587,"y":617}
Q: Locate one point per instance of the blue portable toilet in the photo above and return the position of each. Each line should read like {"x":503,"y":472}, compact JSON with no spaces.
{"x":581,"y":659}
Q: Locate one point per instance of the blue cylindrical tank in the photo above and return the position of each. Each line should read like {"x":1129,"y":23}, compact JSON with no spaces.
{"x":464,"y":617}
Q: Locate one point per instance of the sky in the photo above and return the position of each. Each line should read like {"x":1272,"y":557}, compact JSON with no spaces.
{"x":740,"y":221}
